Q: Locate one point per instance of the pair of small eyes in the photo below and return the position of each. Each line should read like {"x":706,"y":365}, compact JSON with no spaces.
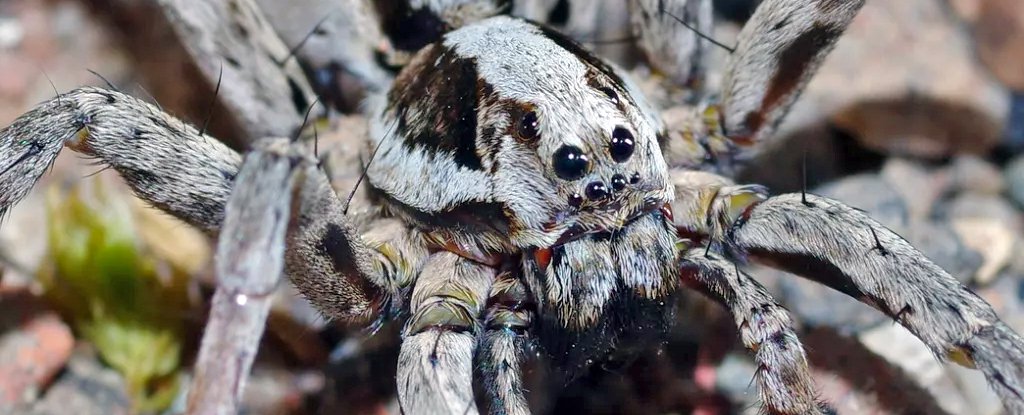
{"x":570,"y":162}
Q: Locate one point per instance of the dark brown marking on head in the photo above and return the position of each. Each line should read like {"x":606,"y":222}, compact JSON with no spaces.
{"x":591,"y":60}
{"x":436,"y":100}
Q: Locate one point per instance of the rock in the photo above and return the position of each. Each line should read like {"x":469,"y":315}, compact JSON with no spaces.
{"x":971,"y":205}
{"x":920,"y":187}
{"x":1014,"y":175}
{"x":291,"y":321}
{"x":991,"y":239}
{"x":1014,"y":139}
{"x":970,"y":173}
{"x":872,"y":194}
{"x":975,"y":389}
{"x":1006,"y":295}
{"x":11,"y":33}
{"x":903,"y":79}
{"x":34,"y":348}
{"x":86,"y":388}
{"x":900,"y":348}
{"x":998,"y":30}
{"x":276,"y":390}
{"x":344,"y":34}
{"x":940,"y":243}
{"x":733,"y":379}
{"x":816,"y":305}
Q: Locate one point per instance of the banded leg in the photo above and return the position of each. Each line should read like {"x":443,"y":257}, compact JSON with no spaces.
{"x":189,"y":175}
{"x":435,"y":365}
{"x":503,"y":349}
{"x":777,"y":53}
{"x":783,"y":377}
{"x":841,"y":247}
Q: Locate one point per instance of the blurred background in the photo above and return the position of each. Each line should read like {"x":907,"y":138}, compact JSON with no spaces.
{"x":917,"y":117}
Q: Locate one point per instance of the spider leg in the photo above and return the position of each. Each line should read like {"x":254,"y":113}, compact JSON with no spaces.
{"x":777,"y":53}
{"x":504,"y":346}
{"x":265,"y":93}
{"x":250,"y":261}
{"x":435,"y":365}
{"x":841,"y":247}
{"x":766,"y":328}
{"x":189,"y":175}
{"x":668,"y":36}
{"x":432,"y":18}
{"x":166,"y":162}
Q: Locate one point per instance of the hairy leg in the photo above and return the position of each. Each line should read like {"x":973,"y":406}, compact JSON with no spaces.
{"x":176,"y":168}
{"x":236,"y":49}
{"x":674,"y":49}
{"x":782,"y":376}
{"x":435,"y":366}
{"x":504,"y":346}
{"x":841,"y":247}
{"x":777,"y":53}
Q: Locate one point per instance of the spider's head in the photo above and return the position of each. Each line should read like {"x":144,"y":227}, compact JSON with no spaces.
{"x":512,"y":127}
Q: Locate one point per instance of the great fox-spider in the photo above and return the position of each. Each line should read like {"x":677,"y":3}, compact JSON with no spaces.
{"x":522,"y":193}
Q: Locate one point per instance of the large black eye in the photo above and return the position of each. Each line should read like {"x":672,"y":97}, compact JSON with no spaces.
{"x":622,"y":144}
{"x":527,"y":128}
{"x":570,"y":163}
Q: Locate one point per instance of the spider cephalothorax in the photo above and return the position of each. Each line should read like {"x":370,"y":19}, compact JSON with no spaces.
{"x":522,"y":194}
{"x":512,"y":169}
{"x":484,"y":114}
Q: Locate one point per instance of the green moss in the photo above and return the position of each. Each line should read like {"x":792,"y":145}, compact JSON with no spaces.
{"x":110,"y":288}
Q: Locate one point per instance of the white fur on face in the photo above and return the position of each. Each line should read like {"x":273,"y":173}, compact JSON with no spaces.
{"x":514,"y":64}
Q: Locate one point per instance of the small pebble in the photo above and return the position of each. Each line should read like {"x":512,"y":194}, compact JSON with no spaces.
{"x":973,"y":205}
{"x":11,"y":33}
{"x":973,"y":174}
{"x":992,"y":240}
{"x":1014,"y":175}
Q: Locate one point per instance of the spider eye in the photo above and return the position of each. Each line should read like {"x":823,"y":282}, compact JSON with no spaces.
{"x":527,"y":128}
{"x":575,"y":200}
{"x":570,"y":163}
{"x":618,"y":182}
{"x":622,"y":144}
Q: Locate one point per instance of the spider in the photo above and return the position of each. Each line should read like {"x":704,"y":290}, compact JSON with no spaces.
{"x":521,"y":194}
